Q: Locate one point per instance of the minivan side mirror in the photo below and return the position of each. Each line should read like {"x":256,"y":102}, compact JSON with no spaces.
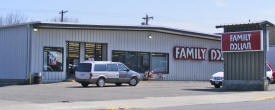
{"x":127,"y":70}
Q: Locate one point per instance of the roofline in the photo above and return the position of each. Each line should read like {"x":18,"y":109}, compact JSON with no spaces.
{"x":61,"y":25}
{"x":267,"y":23}
{"x":118,"y":27}
{"x":18,"y":25}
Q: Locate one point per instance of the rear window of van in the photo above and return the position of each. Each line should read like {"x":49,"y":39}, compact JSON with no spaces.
{"x":84,"y":67}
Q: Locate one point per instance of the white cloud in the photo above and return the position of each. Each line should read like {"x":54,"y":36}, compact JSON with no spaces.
{"x":220,"y":3}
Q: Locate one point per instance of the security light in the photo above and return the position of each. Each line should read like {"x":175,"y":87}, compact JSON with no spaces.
{"x":150,"y":36}
{"x":35,"y":29}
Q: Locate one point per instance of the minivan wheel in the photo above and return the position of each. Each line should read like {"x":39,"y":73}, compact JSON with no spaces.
{"x":133,"y":81}
{"x":269,"y":81}
{"x":101,"y":82}
{"x":84,"y":84}
{"x":217,"y":86}
{"x":118,"y":84}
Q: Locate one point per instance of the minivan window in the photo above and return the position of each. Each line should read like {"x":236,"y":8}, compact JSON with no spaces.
{"x":100,"y":67}
{"x":84,"y":67}
{"x":112,"y":67}
{"x":122,"y":67}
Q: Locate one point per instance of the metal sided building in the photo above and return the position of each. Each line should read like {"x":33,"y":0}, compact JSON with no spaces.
{"x":55,"y":49}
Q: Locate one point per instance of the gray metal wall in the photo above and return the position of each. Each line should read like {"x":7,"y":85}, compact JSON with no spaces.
{"x":243,"y":66}
{"x":270,"y":56}
{"x":127,"y":40}
{"x":13,"y":56}
{"x":271,"y":35}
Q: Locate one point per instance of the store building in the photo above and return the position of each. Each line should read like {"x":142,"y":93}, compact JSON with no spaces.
{"x":55,"y":49}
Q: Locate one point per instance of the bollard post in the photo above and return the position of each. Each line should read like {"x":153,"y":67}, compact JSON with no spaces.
{"x":30,"y":80}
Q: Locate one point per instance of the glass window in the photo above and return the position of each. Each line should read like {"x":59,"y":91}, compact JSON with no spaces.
{"x":100,"y":67}
{"x":95,"y":52}
{"x":160,"y":63}
{"x":84,"y":67}
{"x":52,"y":59}
{"x":122,"y":67}
{"x":267,"y":68}
{"x":89,"y":51}
{"x":137,"y":61}
{"x":142,"y":61}
{"x":112,"y":67}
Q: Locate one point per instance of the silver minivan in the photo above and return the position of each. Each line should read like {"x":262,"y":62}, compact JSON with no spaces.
{"x":101,"y":72}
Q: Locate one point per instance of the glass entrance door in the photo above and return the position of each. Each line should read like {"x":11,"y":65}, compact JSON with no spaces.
{"x":95,"y":52}
{"x":73,"y":58}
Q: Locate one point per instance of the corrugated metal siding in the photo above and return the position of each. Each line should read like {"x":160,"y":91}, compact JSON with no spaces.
{"x":243,"y":66}
{"x":131,"y":41}
{"x":271,"y":35}
{"x":270,"y":56}
{"x":13,"y":56}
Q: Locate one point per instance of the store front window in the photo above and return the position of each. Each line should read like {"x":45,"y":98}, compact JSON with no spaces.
{"x":143,"y":61}
{"x":160,"y":63}
{"x":73,"y":58}
{"x":96,"y":52}
{"x":137,"y":61}
{"x":52,"y":59}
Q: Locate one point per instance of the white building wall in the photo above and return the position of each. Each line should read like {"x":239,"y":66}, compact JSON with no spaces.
{"x":127,"y":41}
{"x":13,"y":56}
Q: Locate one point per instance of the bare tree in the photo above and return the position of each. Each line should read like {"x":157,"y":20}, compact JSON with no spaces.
{"x":12,"y":18}
{"x":15,"y":18}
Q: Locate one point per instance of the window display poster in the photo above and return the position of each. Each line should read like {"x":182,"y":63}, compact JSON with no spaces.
{"x":52,"y":58}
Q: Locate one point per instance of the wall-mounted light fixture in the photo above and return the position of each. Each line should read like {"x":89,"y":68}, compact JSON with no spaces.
{"x":150,"y":36}
{"x":35,"y":29}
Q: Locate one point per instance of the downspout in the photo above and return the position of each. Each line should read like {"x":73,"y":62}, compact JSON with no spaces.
{"x":28,"y":65}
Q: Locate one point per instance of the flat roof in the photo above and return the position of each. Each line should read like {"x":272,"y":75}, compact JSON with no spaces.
{"x":264,"y":22}
{"x":65,"y":25}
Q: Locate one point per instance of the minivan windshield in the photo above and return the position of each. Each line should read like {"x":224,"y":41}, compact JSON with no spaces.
{"x":267,"y":68}
{"x":84,"y":67}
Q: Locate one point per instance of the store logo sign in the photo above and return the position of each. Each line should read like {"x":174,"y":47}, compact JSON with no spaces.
{"x":189,"y":53}
{"x":215,"y":55}
{"x":242,"y":41}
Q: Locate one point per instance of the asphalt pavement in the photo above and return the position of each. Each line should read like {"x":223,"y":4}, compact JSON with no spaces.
{"x":251,"y":105}
{"x":146,"y":95}
{"x":74,"y":92}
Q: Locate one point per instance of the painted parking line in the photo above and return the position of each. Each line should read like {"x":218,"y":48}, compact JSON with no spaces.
{"x":116,"y":108}
{"x":264,"y":98}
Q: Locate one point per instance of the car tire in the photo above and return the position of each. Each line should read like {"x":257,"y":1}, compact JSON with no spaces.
{"x":134,"y":81}
{"x":118,"y":84}
{"x":217,"y":86}
{"x":84,"y":84}
{"x":100,"y":82}
{"x":269,"y":81}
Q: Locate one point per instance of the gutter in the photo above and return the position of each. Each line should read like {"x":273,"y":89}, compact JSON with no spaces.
{"x":29,"y":48}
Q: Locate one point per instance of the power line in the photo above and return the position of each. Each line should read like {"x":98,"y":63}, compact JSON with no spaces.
{"x":147,"y":18}
{"x":62,"y":14}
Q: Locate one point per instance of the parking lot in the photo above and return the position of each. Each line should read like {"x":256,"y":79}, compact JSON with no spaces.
{"x":70,"y":92}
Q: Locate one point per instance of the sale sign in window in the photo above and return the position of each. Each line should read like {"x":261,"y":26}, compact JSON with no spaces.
{"x":242,"y":41}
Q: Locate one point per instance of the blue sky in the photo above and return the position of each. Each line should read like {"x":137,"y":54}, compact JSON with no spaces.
{"x":194,"y":15}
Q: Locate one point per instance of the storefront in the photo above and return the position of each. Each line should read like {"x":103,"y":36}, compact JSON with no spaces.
{"x":55,"y":49}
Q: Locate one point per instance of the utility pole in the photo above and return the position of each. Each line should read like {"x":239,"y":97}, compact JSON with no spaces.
{"x":147,"y":18}
{"x":62,"y":15}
